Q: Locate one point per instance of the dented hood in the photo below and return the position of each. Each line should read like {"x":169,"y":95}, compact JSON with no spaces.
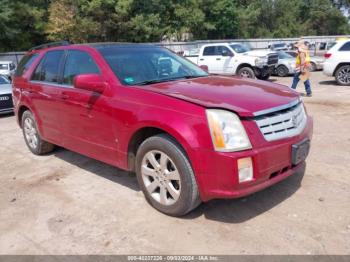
{"x":243,"y":96}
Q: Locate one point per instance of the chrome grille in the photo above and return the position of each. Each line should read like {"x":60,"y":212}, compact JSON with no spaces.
{"x":282,"y":124}
{"x":272,"y":59}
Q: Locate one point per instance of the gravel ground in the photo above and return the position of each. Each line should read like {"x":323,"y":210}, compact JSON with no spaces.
{"x":65,"y":203}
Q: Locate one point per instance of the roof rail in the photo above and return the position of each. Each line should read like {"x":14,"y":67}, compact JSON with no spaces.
{"x":47,"y":45}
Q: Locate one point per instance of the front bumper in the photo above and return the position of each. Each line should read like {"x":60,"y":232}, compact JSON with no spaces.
{"x":265,"y":70}
{"x":272,"y":162}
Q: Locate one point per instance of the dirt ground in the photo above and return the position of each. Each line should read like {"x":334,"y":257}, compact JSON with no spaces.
{"x":65,"y":203}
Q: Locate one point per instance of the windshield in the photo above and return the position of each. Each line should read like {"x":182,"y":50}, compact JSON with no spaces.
{"x":4,"y":80}
{"x":4,"y":67}
{"x":238,"y":48}
{"x":284,"y":55}
{"x":146,"y":65}
{"x":279,"y":45}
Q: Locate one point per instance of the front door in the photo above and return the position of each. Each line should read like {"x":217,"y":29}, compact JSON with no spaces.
{"x":88,"y":124}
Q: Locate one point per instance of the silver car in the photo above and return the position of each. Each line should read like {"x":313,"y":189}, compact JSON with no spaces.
{"x":6,"y":104}
{"x":286,"y":64}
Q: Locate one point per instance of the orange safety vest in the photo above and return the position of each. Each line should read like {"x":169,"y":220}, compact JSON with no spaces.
{"x":307,"y":59}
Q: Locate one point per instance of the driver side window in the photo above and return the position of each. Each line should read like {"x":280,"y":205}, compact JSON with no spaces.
{"x":77,"y":63}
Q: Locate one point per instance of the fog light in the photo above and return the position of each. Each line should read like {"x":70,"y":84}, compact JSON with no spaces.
{"x":245,"y":169}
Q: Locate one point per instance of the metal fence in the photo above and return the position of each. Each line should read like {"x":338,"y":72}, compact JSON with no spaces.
{"x":14,"y":57}
{"x":318,"y":45}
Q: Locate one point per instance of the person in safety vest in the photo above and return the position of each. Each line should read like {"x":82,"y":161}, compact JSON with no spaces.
{"x":302,"y":67}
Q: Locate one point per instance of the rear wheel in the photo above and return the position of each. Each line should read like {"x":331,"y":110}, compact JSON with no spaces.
{"x":282,"y":70}
{"x":246,"y":72}
{"x":31,"y":135}
{"x":313,"y":67}
{"x":342,"y":75}
{"x":166,"y":176}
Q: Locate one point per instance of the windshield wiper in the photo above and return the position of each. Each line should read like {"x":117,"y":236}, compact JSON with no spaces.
{"x":155,"y":81}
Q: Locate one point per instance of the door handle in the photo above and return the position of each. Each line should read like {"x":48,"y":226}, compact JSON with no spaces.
{"x":202,"y":59}
{"x":218,"y":58}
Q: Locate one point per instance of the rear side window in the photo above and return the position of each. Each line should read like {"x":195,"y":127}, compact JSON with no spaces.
{"x":345,"y":47}
{"x":209,"y":50}
{"x":25,"y":63}
{"x":77,"y":63}
{"x":49,"y":67}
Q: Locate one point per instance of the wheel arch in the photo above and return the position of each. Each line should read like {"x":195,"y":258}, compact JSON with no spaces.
{"x":20,"y":112}
{"x":338,"y":66}
{"x":141,"y":135}
{"x":244,"y":65}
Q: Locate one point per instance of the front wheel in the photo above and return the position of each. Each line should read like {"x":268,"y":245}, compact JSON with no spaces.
{"x":166,"y":176}
{"x":31,"y":135}
{"x":246,"y":72}
{"x":342,"y":75}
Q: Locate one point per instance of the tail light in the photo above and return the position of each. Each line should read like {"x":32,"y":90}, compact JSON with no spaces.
{"x":327,"y":55}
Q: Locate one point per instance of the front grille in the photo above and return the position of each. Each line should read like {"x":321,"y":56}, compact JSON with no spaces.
{"x":272,"y":59}
{"x":6,"y":101}
{"x":284,"y":123}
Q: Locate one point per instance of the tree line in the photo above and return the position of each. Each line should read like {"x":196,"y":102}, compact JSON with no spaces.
{"x":24,"y":24}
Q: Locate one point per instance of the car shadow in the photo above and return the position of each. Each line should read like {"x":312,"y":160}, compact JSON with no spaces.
{"x":328,"y":82}
{"x":114,"y":174}
{"x":7,"y":115}
{"x":227,"y":211}
{"x":243,"y":209}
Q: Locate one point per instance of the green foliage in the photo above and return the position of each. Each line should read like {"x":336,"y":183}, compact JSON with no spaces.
{"x":27,"y":23}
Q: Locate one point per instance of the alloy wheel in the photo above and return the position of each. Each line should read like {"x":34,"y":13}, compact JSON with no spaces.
{"x":344,"y":75}
{"x":161,"y":177}
{"x":31,"y":133}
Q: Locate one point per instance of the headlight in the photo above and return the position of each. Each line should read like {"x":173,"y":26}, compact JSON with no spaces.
{"x":259,"y":62}
{"x":227,"y":131}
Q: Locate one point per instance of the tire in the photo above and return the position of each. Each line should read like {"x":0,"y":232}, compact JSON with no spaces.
{"x":342,"y":75}
{"x":180,"y":194}
{"x":282,"y":70}
{"x":313,"y":67}
{"x":31,"y":135}
{"x":246,"y":72}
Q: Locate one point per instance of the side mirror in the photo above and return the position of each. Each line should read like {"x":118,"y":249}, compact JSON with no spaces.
{"x":205,"y":68}
{"x":90,"y":82}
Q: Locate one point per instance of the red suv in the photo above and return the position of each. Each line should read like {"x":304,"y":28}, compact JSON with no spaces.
{"x":189,"y":136}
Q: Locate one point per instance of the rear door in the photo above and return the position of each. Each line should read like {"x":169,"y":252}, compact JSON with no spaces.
{"x":45,"y":95}
{"x":215,"y":60}
{"x":88,"y":122}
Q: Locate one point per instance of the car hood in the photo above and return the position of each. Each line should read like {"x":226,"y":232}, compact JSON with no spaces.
{"x":258,"y":53}
{"x":5,"y":89}
{"x":243,"y":96}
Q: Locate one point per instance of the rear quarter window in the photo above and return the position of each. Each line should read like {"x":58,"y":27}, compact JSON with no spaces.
{"x":25,"y":63}
{"x":345,"y":47}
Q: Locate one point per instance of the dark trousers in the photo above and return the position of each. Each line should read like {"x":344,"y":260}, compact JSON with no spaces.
{"x":306,"y":83}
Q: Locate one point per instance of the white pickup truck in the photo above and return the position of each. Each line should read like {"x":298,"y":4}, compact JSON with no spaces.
{"x":235,"y":59}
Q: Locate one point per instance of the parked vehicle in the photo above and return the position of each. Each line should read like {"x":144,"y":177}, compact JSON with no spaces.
{"x":286,"y":64}
{"x":337,"y":62}
{"x":7,"y":68}
{"x":189,"y":136}
{"x":278,"y":46}
{"x":235,"y":59}
{"x":6,"y":104}
{"x":316,"y":61}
